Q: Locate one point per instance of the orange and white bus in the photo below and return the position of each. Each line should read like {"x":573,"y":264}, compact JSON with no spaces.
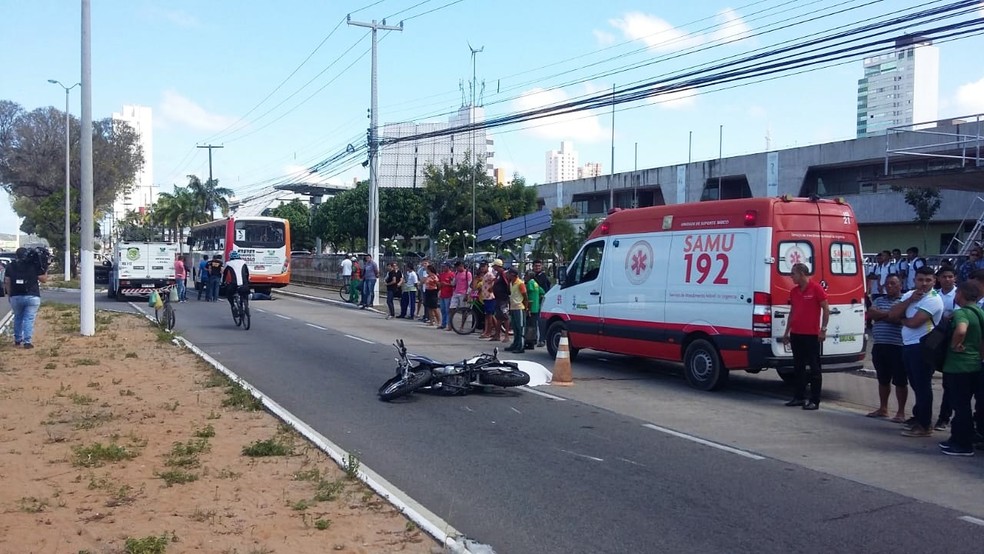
{"x":263,"y":242}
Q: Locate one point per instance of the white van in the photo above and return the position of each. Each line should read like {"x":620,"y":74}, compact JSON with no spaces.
{"x":708,"y":284}
{"x":141,"y":267}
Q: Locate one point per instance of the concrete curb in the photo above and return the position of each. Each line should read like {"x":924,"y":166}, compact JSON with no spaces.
{"x":322,"y":299}
{"x":428,"y":521}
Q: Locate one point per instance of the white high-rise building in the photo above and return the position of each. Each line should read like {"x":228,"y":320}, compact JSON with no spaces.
{"x":590,"y":169}
{"x":899,"y":88}
{"x":561,"y":164}
{"x":402,"y":164}
{"x":143,"y":193}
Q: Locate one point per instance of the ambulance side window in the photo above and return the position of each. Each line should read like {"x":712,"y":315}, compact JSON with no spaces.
{"x":843,"y":259}
{"x":794,"y":252}
{"x":587,"y":266}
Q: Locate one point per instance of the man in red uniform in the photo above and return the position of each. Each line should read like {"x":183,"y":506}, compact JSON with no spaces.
{"x":805,"y":332}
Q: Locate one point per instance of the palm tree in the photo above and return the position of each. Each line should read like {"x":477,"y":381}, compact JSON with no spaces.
{"x":177,"y":210}
{"x":210,"y":195}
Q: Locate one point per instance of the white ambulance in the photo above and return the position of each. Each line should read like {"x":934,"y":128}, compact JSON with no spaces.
{"x":141,"y":267}
{"x":708,"y":284}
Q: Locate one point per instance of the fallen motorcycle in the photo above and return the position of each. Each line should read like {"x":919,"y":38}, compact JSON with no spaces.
{"x":414,"y":372}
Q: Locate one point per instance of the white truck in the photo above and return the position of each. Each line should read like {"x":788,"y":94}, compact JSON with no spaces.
{"x":141,"y":267}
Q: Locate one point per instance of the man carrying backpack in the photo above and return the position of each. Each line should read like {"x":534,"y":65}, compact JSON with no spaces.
{"x":908,"y":266}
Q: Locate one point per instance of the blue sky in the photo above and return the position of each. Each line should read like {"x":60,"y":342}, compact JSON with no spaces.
{"x":203,"y":66}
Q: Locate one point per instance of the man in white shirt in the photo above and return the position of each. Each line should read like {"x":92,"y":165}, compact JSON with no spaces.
{"x":346,"y":270}
{"x":919,"y":311}
{"x":883,"y":270}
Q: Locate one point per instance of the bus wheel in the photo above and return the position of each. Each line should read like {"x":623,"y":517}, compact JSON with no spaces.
{"x":553,"y":340}
{"x":702,"y":366}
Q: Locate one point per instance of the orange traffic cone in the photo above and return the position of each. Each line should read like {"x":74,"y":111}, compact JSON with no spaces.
{"x":562,"y":364}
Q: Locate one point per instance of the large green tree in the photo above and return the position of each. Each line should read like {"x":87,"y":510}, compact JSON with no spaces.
{"x":32,"y":167}
{"x":176,"y":210}
{"x":448,"y":194}
{"x":297,"y":213}
{"x":343,"y":221}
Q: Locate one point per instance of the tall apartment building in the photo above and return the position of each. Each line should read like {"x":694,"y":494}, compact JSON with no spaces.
{"x":143,"y":193}
{"x":899,"y":88}
{"x":562,"y":164}
{"x":590,"y":169}
{"x":402,"y":164}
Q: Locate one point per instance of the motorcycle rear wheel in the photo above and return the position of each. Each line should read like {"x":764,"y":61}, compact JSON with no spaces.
{"x":398,"y":386}
{"x":501,"y":378}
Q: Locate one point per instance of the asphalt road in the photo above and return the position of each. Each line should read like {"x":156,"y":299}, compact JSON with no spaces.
{"x":526,"y":473}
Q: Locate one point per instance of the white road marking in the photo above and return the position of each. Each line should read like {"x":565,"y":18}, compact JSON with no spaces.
{"x":971,"y":519}
{"x":469,"y":409}
{"x":281,"y":316}
{"x":515,"y":410}
{"x":360,"y":339}
{"x":630,"y":462}
{"x":316,"y":326}
{"x":543,"y":394}
{"x":705,"y":442}
{"x":592,"y":458}
{"x":260,"y":310}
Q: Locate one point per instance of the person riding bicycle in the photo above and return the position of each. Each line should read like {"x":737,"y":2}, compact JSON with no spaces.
{"x":236,"y":277}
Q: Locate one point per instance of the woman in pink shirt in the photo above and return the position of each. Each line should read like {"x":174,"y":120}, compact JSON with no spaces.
{"x":180,"y":275}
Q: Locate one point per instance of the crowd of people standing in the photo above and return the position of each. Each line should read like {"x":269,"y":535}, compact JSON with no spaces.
{"x":430,"y":292}
{"x":907,"y":301}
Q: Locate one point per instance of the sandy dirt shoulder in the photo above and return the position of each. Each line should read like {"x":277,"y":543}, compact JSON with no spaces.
{"x":126,"y":443}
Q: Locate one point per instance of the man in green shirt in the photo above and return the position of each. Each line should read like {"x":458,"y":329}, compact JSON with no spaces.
{"x":535,"y":293}
{"x":962,"y":368}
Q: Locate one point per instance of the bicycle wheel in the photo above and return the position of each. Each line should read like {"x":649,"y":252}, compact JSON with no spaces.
{"x":343,"y":291}
{"x":169,"y":318}
{"x":246,"y":315}
{"x":237,"y":318}
{"x":463,"y":321}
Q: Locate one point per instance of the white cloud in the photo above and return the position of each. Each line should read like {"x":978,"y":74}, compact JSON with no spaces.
{"x":676,"y":100}
{"x":604,"y":38}
{"x":662,"y":36}
{"x":581,"y":126}
{"x":970,"y":97}
{"x":657,"y":33}
{"x":180,"y":110}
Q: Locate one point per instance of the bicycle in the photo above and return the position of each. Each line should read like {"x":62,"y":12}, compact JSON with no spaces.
{"x":165,"y":315}
{"x":466,"y":319}
{"x":344,"y":291}
{"x":240,"y":311}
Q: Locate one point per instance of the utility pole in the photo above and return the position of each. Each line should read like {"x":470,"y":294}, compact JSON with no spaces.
{"x":210,"y":148}
{"x":471,"y":121}
{"x":373,"y":242}
{"x":87,"y":275}
{"x":611,"y":179}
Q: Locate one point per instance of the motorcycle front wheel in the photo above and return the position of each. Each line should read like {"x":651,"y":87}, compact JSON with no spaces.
{"x":504,"y":378}
{"x":398,"y":386}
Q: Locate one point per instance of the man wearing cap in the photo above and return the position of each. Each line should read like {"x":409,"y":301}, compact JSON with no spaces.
{"x":500,"y":288}
{"x":355,"y":284}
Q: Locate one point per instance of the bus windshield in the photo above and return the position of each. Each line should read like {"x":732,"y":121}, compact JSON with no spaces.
{"x":259,"y":234}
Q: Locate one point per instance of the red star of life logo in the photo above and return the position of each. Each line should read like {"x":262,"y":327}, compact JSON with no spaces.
{"x":796,"y":257}
{"x":639,"y":260}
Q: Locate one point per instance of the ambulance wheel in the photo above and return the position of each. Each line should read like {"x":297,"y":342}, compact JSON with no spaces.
{"x":553,"y":340}
{"x":702,"y":366}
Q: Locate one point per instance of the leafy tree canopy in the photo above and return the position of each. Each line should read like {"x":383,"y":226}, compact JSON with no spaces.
{"x":32,"y":166}
{"x":297,"y":213}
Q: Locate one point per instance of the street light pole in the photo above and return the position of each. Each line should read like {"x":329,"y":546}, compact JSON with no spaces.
{"x":68,"y":205}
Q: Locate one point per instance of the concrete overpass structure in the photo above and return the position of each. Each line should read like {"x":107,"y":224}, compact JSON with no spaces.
{"x":946,"y":154}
